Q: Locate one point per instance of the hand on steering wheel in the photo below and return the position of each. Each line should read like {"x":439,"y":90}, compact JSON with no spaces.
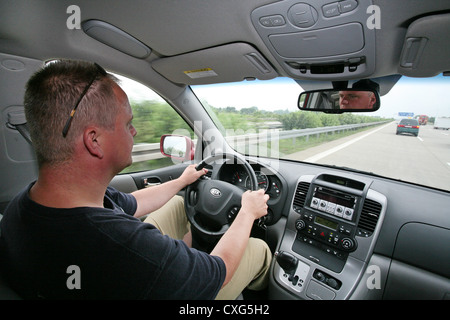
{"x":212,"y":204}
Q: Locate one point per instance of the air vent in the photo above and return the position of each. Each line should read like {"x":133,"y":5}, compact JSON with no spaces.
{"x":300,"y":196}
{"x":369,"y":217}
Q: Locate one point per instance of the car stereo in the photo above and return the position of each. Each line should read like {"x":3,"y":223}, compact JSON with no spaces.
{"x":334,"y":202}
{"x":326,"y":227}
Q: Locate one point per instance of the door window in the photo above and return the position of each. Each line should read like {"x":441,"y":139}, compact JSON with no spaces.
{"x":152,"y":118}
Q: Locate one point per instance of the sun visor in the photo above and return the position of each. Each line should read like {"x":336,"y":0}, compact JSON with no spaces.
{"x":228,"y":63}
{"x":426,"y":49}
{"x":115,"y":38}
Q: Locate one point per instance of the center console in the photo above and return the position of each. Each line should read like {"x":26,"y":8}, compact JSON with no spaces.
{"x":328,"y":226}
{"x":329,"y":236}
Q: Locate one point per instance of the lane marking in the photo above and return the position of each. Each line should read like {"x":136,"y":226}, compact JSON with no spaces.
{"x":420,"y":138}
{"x":341,"y":146}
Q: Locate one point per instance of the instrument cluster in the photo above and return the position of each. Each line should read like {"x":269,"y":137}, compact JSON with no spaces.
{"x":238,"y":176}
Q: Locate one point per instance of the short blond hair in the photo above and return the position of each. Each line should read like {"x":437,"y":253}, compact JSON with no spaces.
{"x":50,"y":95}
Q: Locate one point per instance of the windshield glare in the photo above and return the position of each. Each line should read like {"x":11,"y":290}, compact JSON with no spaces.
{"x":260,"y":118}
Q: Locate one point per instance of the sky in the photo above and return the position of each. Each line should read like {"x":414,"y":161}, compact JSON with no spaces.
{"x":279,"y":94}
{"x":413,"y":95}
{"x":137,"y":91}
{"x":418,"y":96}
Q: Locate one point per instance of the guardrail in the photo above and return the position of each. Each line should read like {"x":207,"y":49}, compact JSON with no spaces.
{"x":149,"y":151}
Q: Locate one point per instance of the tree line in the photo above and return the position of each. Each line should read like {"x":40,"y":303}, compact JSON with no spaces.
{"x":248,"y":118}
{"x":153,"y":119}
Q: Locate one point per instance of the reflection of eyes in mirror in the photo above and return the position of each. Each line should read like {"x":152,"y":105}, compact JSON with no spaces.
{"x":175,"y":146}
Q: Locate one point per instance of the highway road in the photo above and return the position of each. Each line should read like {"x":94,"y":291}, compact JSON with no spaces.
{"x":424,"y":159}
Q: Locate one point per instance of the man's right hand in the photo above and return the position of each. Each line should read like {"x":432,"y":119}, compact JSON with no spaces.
{"x":232,"y":245}
{"x":254,"y":203}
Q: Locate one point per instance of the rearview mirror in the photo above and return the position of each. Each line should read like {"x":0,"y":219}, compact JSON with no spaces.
{"x":177,"y":147}
{"x":339,"y":101}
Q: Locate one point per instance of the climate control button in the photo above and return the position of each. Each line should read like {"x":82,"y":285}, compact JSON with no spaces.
{"x":300,"y":224}
{"x":348,"y":244}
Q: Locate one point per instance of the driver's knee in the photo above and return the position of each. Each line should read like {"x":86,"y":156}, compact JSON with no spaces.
{"x":261,"y":256}
{"x":170,"y":219}
{"x":252,"y":273}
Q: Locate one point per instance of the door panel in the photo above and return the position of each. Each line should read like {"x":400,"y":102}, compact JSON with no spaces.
{"x":130,"y":182}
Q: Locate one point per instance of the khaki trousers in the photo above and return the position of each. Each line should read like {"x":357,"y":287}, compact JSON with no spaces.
{"x":253,"y":270}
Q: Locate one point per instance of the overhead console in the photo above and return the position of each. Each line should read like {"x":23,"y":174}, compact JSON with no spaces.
{"x":329,"y":237}
{"x":322,"y":40}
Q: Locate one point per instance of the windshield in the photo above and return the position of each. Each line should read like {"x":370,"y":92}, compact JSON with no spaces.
{"x":261,"y":118}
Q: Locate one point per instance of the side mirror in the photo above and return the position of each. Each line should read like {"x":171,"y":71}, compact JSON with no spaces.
{"x":339,"y":101}
{"x":177,"y":147}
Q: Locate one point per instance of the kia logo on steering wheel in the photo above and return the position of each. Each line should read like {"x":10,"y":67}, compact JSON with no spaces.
{"x":215,"y":192}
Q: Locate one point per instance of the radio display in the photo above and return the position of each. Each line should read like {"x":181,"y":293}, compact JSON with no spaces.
{"x":348,"y":202}
{"x":326,"y":223}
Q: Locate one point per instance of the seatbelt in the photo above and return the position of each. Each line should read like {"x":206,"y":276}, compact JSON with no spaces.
{"x":17,"y":120}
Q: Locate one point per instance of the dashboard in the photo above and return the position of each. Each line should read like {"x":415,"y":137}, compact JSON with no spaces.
{"x":349,"y":235}
{"x":330,"y":234}
{"x":267,"y":180}
{"x":345,"y":235}
{"x":273,"y":184}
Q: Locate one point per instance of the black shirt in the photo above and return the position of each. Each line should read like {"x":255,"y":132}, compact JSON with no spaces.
{"x":99,"y":253}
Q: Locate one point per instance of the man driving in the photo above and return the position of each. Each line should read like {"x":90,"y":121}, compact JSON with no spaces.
{"x":80,"y":122}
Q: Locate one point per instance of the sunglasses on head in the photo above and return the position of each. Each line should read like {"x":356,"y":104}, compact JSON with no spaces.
{"x":100,"y":71}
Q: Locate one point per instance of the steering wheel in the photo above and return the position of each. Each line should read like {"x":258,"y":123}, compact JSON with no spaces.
{"x":211,"y":204}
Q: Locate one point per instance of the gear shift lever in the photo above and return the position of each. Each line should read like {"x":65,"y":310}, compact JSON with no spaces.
{"x":289,"y":264}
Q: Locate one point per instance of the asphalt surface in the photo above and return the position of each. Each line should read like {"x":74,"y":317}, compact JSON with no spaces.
{"x":424,"y":159}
